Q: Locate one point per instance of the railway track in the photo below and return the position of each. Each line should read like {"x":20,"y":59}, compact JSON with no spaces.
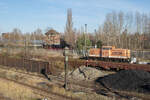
{"x":43,"y":92}
{"x":4,"y":98}
{"x":75,"y":86}
{"x":84,"y":86}
{"x":51,"y":65}
{"x":110,"y":65}
{"x":98,"y":64}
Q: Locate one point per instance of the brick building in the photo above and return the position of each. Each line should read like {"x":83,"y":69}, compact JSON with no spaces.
{"x":52,"y":37}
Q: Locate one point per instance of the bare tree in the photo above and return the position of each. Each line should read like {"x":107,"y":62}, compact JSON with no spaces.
{"x":38,"y":34}
{"x":69,"y":33}
{"x":16,"y":34}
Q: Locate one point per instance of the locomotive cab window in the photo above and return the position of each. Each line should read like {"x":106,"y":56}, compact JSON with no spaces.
{"x":107,"y":48}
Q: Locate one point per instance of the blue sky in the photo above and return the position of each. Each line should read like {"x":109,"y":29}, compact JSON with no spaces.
{"x":28,"y":15}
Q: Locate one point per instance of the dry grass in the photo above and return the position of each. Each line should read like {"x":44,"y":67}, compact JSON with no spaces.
{"x":16,"y":91}
{"x":144,"y":96}
{"x":13,"y":74}
{"x":59,"y":64}
{"x":39,"y":52}
{"x":144,"y":60}
{"x":28,"y":79}
{"x":94,"y":96}
{"x":45,"y":53}
{"x":27,"y":93}
{"x":80,"y":95}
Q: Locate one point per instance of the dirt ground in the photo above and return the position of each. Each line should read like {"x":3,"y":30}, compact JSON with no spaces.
{"x":16,"y":91}
{"x":19,"y":92}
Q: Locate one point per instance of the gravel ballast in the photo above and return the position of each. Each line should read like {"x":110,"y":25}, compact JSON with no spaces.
{"x":85,"y":73}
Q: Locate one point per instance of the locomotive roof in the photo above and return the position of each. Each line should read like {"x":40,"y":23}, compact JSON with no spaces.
{"x":108,"y":46}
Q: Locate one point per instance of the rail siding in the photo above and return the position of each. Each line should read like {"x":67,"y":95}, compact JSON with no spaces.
{"x":39,"y":66}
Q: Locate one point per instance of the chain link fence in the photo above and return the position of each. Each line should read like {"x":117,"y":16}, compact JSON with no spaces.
{"x":141,"y":54}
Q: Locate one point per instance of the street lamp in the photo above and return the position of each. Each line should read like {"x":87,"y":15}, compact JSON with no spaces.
{"x":66,"y":51}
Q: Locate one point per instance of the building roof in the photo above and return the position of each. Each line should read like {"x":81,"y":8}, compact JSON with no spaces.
{"x":51,"y":31}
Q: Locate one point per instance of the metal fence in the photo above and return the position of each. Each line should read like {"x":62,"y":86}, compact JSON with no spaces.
{"x":28,"y":65}
{"x":141,"y":54}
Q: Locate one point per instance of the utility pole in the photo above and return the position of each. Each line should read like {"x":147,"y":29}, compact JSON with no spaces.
{"x":26,"y":47}
{"x":66,"y":50}
{"x":85,"y":40}
{"x":8,"y":47}
{"x":96,"y":38}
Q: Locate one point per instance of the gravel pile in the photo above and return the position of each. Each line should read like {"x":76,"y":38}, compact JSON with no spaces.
{"x":85,"y":73}
{"x":130,"y":80}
